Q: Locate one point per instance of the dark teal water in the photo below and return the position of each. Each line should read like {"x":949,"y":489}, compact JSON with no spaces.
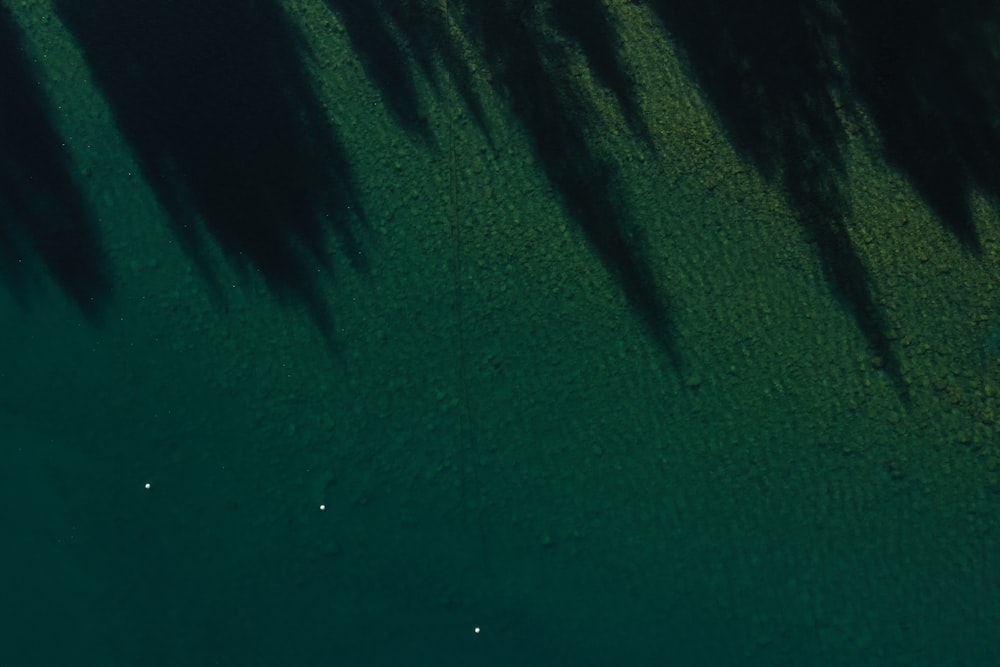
{"x":409,"y":333}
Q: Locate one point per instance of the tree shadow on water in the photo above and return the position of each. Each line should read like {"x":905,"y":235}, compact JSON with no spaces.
{"x":217,"y":109}
{"x":529,"y":61}
{"x":395,"y":40}
{"x":928,"y":74}
{"x":42,"y":211}
{"x":785,"y":79}
{"x":526,"y":48}
{"x":215,"y":104}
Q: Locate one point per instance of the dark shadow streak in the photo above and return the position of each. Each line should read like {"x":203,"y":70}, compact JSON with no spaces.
{"x":770,"y":71}
{"x":215,"y":104}
{"x":384,"y":60}
{"x":532,"y":72}
{"x":526,"y":49}
{"x":42,"y":211}
{"x":589,"y":26}
{"x":928,"y":75}
{"x":390,"y":37}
